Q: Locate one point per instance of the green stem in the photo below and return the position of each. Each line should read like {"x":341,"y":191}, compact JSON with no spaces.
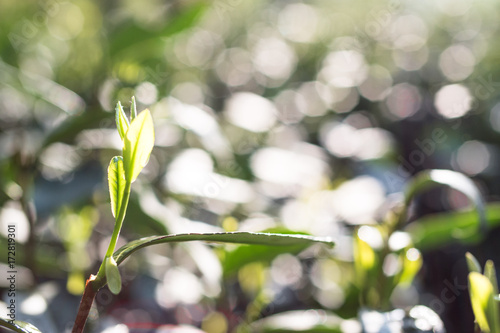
{"x":116,"y":232}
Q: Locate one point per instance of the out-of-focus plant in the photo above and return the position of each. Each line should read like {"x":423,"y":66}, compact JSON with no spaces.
{"x":385,"y":255}
{"x":75,"y":228}
{"x":483,"y":291}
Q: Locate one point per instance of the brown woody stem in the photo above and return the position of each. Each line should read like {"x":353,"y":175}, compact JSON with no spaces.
{"x":85,"y":305}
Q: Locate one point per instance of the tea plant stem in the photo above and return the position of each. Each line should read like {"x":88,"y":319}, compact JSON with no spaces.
{"x":96,"y":282}
{"x":85,"y":305}
{"x":116,"y":231}
{"x":119,"y":220}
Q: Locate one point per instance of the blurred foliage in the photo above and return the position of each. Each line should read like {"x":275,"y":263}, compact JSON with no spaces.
{"x":305,"y":117}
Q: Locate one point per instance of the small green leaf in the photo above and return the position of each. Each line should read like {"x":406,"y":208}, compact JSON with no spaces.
{"x":121,"y":120}
{"x":116,"y":183}
{"x":133,"y":109}
{"x":490,"y":273}
{"x":483,"y":304}
{"x":365,"y":259}
{"x":18,"y":326}
{"x":472,"y":263}
{"x":138,"y":144}
{"x":238,"y":237}
{"x":113,"y":276}
{"x":412,"y":262}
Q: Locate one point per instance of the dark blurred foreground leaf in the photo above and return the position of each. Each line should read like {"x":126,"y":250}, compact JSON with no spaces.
{"x":317,"y":321}
{"x":242,"y":255}
{"x":457,"y":181}
{"x":268,"y":239}
{"x":19,"y":326}
{"x":437,"y":230}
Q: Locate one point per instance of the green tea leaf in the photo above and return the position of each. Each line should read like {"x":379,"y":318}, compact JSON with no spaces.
{"x":113,"y":276}
{"x":138,"y":144}
{"x":238,"y":237}
{"x":490,"y":273}
{"x":18,"y":326}
{"x":116,"y":183}
{"x":472,"y":263}
{"x":121,"y":120}
{"x":483,"y":304}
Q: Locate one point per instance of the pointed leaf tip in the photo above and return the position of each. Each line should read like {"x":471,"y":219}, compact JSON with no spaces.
{"x":138,"y":144}
{"x":133,"y":109}
{"x":113,"y":276}
{"x":490,"y":273}
{"x":122,"y":123}
{"x":472,"y":263}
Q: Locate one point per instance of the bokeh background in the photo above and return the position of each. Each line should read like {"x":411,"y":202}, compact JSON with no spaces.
{"x":299,"y":116}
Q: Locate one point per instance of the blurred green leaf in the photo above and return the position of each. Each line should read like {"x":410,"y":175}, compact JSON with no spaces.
{"x":113,"y":276}
{"x":437,"y":230}
{"x":472,"y":263}
{"x":138,"y":144}
{"x":122,"y":123}
{"x":19,"y":326}
{"x":317,"y":321}
{"x":131,"y":35}
{"x":412,"y":262}
{"x":365,"y":259}
{"x":483,"y":304}
{"x":116,"y":183}
{"x":245,"y":254}
{"x":236,"y":258}
{"x":74,"y":125}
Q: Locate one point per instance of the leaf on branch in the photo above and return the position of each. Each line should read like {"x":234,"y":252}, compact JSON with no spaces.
{"x":237,"y":237}
{"x":113,"y":276}
{"x":116,"y":183}
{"x":122,"y":123}
{"x":138,"y":144}
{"x":18,"y":326}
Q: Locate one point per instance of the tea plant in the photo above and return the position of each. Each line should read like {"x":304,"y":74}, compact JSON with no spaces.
{"x":376,"y":247}
{"x":137,"y":135}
